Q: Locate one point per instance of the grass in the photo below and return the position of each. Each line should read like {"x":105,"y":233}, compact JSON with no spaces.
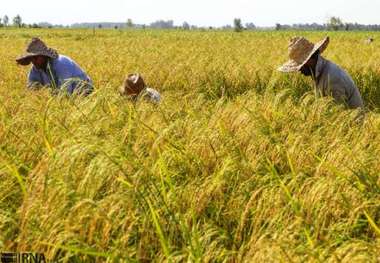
{"x":238,"y":164}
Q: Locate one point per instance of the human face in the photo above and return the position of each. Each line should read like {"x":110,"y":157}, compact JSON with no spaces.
{"x":39,"y":62}
{"x":306,"y":71}
{"x":130,"y":91}
{"x":309,"y":68}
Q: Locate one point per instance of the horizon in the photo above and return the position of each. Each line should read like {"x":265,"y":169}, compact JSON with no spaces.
{"x":200,"y":13}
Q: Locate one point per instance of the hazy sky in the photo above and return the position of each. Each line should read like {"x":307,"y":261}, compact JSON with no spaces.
{"x":199,"y":12}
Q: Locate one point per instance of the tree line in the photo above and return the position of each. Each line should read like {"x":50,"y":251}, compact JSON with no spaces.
{"x":333,"y":23}
{"x":18,"y":22}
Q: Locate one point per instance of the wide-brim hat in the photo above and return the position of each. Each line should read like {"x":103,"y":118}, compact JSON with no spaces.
{"x":134,"y":83}
{"x":300,"y":51}
{"x":36,"y":48}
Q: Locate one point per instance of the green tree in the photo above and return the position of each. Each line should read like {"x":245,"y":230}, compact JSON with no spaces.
{"x":17,"y":21}
{"x":186,"y":26}
{"x":129,"y":23}
{"x":5,"y":20}
{"x":238,"y":27}
{"x":335,"y":23}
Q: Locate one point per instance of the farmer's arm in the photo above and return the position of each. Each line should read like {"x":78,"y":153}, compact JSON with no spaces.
{"x":34,"y":79}
{"x":338,"y":88}
{"x":72,"y":74}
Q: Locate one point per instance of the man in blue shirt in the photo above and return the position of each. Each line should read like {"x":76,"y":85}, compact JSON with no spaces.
{"x":56,"y":71}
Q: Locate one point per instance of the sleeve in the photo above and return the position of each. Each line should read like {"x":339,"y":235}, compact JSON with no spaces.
{"x":338,"y":89}
{"x":154,"y":95}
{"x":354,"y":99}
{"x":77,"y":72}
{"x":34,"y":79}
{"x":72,"y":73}
{"x":339,"y":94}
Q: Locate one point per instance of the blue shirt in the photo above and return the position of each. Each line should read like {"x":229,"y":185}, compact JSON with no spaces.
{"x":334,"y":81}
{"x":65,"y":71}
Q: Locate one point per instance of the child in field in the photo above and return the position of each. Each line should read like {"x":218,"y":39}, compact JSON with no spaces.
{"x":135,"y":88}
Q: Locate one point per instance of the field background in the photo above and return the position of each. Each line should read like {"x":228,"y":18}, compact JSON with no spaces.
{"x":239,"y":163}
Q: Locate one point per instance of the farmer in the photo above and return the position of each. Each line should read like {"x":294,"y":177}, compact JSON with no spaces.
{"x":51,"y":69}
{"x":329,"y":78}
{"x":134,"y":88}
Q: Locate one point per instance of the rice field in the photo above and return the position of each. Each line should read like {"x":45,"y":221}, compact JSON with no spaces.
{"x":239,"y":163}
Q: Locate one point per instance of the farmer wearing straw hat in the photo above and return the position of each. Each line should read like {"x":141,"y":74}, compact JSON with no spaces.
{"x":329,"y":78}
{"x":51,"y":69}
{"x":134,"y":87}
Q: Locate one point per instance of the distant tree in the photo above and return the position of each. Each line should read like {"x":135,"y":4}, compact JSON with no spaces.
{"x":129,"y":23}
{"x":116,"y":27}
{"x":34,"y":25}
{"x":278,"y":26}
{"x":5,"y":20}
{"x":238,"y":27}
{"x":186,"y":26}
{"x":1,"y":24}
{"x":250,"y":26}
{"x":162,"y":24}
{"x":100,"y":26}
{"x":45,"y":25}
{"x":17,"y":21}
{"x":335,"y":23}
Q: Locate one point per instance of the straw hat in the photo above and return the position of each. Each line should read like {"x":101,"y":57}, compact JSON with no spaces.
{"x":300,"y":51}
{"x":36,"y":48}
{"x":133,"y":84}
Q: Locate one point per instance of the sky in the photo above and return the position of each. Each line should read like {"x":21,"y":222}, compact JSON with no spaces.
{"x":195,"y":12}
